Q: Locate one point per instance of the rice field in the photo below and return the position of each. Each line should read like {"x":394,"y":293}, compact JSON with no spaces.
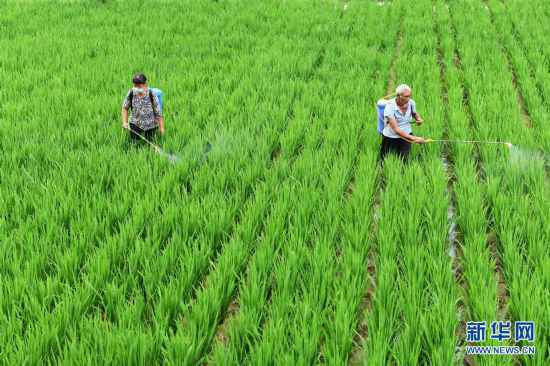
{"x":285,"y":242}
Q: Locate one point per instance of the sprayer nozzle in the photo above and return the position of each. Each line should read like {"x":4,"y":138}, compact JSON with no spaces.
{"x":508,"y":145}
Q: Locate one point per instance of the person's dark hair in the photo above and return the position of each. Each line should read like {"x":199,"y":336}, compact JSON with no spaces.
{"x":139,"y":79}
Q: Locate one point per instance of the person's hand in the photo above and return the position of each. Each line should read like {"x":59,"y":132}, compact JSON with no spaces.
{"x":162,"y":131}
{"x":419,"y":121}
{"x":419,"y":140}
{"x":125,"y":126}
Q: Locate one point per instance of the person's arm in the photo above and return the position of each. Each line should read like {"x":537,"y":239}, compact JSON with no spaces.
{"x":415,"y":114}
{"x":417,"y":118}
{"x":161,"y":124}
{"x":124,"y":117}
{"x":405,"y":136}
{"x":124,"y":112}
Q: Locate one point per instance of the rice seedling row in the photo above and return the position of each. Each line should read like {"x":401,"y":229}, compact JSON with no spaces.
{"x":350,"y":308}
{"x":527,"y":61}
{"x":353,"y":241}
{"x":236,"y":354}
{"x":509,"y":183}
{"x":201,"y":319}
{"x":479,"y":291}
{"x":528,"y":32}
{"x":445,"y":52}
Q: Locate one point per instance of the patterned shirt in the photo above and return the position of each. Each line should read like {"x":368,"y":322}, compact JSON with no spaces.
{"x":144,"y":110}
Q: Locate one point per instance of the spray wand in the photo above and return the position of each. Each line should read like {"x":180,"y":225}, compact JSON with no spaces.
{"x":508,"y":144}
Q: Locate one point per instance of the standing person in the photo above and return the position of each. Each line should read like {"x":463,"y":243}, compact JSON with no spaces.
{"x":146,"y":112}
{"x":397,"y":133}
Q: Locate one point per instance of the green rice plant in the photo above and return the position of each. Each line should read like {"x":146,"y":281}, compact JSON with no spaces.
{"x":113,"y":255}
{"x":479,"y":292}
{"x":502,"y":178}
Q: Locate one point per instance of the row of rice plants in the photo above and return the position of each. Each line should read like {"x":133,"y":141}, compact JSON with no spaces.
{"x":528,"y":30}
{"x":299,"y":320}
{"x":478,"y":267}
{"x":245,"y":329}
{"x":537,"y":111}
{"x":253,"y":285}
{"x":193,"y":338}
{"x":512,"y":185}
{"x":373,"y":45}
{"x":293,"y":318}
{"x":529,"y":61}
{"x":255,"y":282}
{"x":428,"y":273}
{"x":413,"y":315}
{"x":272,"y":339}
{"x":530,"y":87}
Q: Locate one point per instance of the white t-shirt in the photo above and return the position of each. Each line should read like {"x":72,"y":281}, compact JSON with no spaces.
{"x":403,"y":119}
